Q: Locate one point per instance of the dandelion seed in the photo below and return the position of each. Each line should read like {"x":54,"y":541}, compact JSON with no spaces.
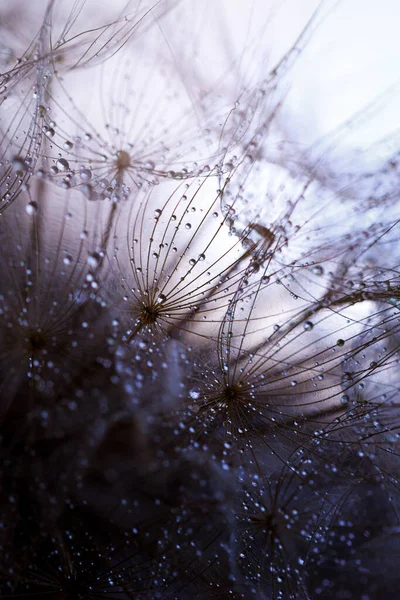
{"x":172,"y":292}
{"x":44,"y":295}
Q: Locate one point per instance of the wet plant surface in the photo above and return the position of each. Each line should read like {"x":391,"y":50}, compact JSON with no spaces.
{"x":199,"y":305}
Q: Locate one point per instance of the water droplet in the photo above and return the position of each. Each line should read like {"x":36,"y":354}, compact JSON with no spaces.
{"x":62,"y":164}
{"x":32,"y":208}
{"x":195,"y":393}
{"x":18,"y":164}
{"x":188,"y":226}
{"x":49,"y":131}
{"x":318,"y":270}
{"x":308,"y":326}
{"x":85,"y":174}
{"x":94,"y":259}
{"x":340,"y":343}
{"x":68,"y":145}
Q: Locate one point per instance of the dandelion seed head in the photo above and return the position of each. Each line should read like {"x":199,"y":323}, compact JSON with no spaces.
{"x":198,"y":310}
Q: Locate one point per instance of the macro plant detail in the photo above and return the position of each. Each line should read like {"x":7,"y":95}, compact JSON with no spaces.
{"x":199,"y":302}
